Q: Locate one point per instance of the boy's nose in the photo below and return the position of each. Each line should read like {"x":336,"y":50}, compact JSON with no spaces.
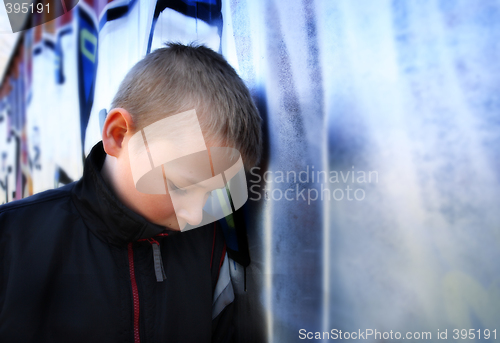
{"x":192,"y":214}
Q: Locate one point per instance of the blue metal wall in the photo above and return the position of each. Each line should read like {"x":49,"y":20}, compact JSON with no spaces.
{"x":405,"y":92}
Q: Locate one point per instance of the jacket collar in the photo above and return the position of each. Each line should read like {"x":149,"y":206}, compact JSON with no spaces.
{"x":103,"y":213}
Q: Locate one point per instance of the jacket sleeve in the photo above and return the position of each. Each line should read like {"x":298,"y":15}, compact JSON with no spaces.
{"x":223,"y":306}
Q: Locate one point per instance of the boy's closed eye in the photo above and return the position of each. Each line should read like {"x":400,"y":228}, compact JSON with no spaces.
{"x":179,"y":190}
{"x":175,"y":189}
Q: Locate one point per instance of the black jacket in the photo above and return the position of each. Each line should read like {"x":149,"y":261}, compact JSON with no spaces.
{"x":77,"y":266}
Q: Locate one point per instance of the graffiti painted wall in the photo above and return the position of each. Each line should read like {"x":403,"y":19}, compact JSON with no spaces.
{"x":375,"y":207}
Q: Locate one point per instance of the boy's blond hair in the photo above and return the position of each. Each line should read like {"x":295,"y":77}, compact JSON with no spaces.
{"x":178,"y":78}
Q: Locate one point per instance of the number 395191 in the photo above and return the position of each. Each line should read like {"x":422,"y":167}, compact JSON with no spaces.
{"x":473,"y":334}
{"x":26,"y":8}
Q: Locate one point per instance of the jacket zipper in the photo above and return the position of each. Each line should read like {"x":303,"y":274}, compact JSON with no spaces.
{"x":135,"y":293}
{"x":159,"y":272}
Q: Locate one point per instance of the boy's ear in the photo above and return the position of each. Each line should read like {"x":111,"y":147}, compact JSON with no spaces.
{"x":117,"y":126}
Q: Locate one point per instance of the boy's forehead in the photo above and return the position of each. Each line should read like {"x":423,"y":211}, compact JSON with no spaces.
{"x":172,"y":137}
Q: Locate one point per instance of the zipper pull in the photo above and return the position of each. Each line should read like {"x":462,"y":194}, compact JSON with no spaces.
{"x":159,"y":271}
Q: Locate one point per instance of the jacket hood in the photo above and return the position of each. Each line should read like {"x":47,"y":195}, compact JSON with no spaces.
{"x":104,"y":214}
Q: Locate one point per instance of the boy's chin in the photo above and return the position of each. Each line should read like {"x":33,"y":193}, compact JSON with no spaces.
{"x":169,"y":224}
{"x":175,"y":226}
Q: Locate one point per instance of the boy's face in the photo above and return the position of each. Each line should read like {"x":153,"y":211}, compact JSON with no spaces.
{"x":156,"y":208}
{"x":178,"y":199}
{"x":173,"y":174}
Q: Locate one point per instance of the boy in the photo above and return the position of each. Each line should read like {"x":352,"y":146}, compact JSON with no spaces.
{"x":100,"y":261}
